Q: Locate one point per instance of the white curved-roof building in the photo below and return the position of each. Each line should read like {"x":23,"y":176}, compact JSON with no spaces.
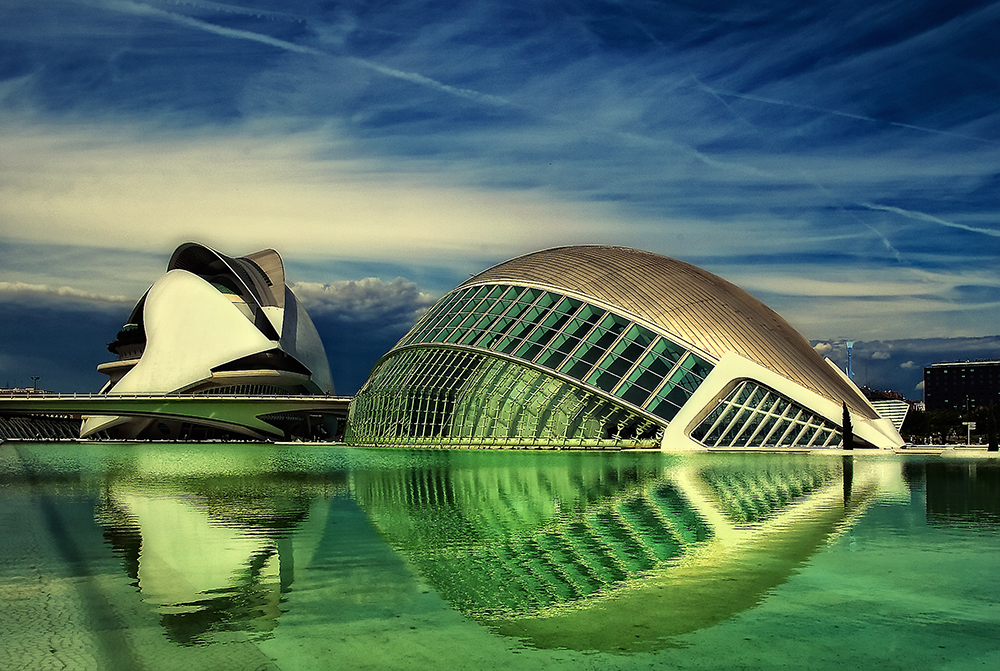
{"x":213,"y":324}
{"x":594,"y":346}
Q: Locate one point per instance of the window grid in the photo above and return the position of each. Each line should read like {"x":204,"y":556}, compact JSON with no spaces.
{"x":753,"y":415}
{"x":585,"y":342}
{"x":436,"y":396}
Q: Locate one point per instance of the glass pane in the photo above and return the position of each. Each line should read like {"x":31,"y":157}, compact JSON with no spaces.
{"x":614,"y":323}
{"x":548,"y":299}
{"x":577,"y":328}
{"x":591,"y":314}
{"x":603,"y":380}
{"x":662,"y":408}
{"x":528,"y":351}
{"x":530,"y":295}
{"x":589,"y":353}
{"x":551,"y":358}
{"x":697,"y":365}
{"x":569,"y":305}
{"x":634,"y":394}
{"x":668,"y":350}
{"x":576,"y":368}
{"x":601,"y":338}
{"x":498,"y":307}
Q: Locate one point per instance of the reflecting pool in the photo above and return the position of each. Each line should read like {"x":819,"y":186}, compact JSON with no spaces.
{"x":237,"y":556}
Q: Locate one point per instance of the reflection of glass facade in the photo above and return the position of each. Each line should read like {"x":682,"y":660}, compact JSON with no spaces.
{"x":518,"y":364}
{"x":606,"y":347}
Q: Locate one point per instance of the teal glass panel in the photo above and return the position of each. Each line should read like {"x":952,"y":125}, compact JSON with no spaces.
{"x":601,"y":338}
{"x":653,"y":365}
{"x":685,"y":380}
{"x":676,"y":395}
{"x":441,"y":334}
{"x":499,"y":307}
{"x":497,"y":291}
{"x":516,"y":309}
{"x":507,"y":345}
{"x":634,"y":394}
{"x":470,"y":320}
{"x":530,"y":295}
{"x":528,"y":351}
{"x":563,"y":343}
{"x":501,"y":325}
{"x":555,"y":320}
{"x":578,"y":328}
{"x":697,"y":365}
{"x":629,"y":351}
{"x":551,"y":358}
{"x":547,"y":299}
{"x":603,"y":379}
{"x":590,"y":353}
{"x":646,"y":379}
{"x":612,"y":322}
{"x":512,"y":293}
{"x":616,"y":365}
{"x":668,"y":350}
{"x":568,"y":305}
{"x":542,"y":335}
{"x":663,"y":409}
{"x":591,"y":314}
{"x":470,"y":336}
{"x":641,"y":335}
{"x":520,"y":328}
{"x":576,"y":368}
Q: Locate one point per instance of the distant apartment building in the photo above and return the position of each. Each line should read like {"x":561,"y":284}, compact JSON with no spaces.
{"x":962,"y":385}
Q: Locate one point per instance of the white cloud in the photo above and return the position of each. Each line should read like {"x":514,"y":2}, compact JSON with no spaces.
{"x":34,"y":293}
{"x":909,"y":365}
{"x":110,"y":184}
{"x":823,"y":348}
{"x":881,"y":355}
{"x":368,"y":300}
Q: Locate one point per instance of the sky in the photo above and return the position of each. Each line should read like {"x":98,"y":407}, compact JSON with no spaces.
{"x":838,"y":160}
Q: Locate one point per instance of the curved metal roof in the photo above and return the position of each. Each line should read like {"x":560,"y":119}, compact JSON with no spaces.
{"x":696,"y":306}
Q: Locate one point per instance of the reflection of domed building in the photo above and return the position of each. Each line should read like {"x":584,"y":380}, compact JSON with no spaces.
{"x":213,"y":324}
{"x":608,"y":347}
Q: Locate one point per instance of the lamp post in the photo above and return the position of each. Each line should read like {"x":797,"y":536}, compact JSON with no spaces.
{"x":34,"y":383}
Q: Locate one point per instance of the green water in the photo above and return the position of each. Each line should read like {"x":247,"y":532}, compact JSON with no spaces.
{"x":231,"y":556}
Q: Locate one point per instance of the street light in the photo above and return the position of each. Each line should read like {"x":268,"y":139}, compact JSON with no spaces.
{"x":34,"y":382}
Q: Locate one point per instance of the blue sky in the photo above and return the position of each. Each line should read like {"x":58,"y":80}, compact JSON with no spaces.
{"x":840,"y":161}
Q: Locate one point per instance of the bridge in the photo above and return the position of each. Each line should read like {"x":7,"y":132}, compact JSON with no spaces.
{"x":244,"y":414}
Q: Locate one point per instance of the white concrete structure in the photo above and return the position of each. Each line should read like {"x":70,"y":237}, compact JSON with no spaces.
{"x":213,"y":324}
{"x":608,"y":347}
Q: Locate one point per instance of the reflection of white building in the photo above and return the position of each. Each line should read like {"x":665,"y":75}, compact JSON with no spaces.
{"x":213,"y":324}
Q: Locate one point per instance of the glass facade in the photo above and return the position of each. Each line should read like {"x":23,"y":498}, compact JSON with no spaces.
{"x":451,"y":397}
{"x":589,"y":344}
{"x":754,"y":416}
{"x":524,"y":365}
{"x":501,"y":364}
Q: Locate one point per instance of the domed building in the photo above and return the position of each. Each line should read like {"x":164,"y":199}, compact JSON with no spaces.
{"x":608,"y":347}
{"x":213,"y":324}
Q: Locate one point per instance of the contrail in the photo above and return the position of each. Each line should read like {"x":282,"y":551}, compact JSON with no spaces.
{"x":233,"y":9}
{"x":921,"y":216}
{"x":413,"y":77}
{"x":848,"y":115}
